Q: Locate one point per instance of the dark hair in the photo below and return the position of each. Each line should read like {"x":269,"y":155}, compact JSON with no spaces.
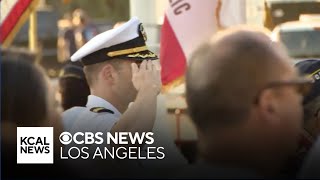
{"x":24,"y":92}
{"x":73,"y":86}
{"x":74,"y":92}
{"x":24,"y":96}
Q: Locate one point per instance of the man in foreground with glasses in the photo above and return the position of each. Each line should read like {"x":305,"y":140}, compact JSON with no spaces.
{"x":245,"y":99}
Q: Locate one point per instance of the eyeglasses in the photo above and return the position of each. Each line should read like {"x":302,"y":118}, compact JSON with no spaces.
{"x":302,"y":86}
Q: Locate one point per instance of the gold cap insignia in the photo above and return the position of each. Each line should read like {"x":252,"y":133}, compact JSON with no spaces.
{"x":143,"y":33}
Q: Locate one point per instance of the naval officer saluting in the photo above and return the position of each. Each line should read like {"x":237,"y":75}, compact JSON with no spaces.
{"x":119,"y":69}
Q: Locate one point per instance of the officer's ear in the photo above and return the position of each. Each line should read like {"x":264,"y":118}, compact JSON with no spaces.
{"x":108,"y":73}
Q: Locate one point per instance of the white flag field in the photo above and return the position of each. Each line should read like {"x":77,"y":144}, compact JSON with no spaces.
{"x":187,"y":24}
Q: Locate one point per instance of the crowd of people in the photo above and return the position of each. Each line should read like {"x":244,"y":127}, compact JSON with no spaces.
{"x":256,"y":115}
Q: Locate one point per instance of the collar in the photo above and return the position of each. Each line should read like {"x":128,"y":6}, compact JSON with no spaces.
{"x":95,"y":101}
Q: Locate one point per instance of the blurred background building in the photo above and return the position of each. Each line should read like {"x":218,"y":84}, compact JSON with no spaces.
{"x":52,"y":16}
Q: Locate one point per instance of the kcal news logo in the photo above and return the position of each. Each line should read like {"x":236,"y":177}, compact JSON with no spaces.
{"x":34,"y":145}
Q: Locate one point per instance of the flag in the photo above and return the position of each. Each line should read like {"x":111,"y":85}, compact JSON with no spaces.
{"x":13,"y":14}
{"x":186,"y":25}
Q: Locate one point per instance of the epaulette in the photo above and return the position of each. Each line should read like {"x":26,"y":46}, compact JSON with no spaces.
{"x":100,"y":110}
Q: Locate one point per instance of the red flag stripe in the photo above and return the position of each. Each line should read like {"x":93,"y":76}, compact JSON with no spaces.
{"x":172,"y":58}
{"x":12,"y":18}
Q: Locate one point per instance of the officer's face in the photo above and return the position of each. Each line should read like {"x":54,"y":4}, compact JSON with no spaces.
{"x":124,"y":88}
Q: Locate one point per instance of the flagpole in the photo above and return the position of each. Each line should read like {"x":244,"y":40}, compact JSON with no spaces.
{"x":33,"y":39}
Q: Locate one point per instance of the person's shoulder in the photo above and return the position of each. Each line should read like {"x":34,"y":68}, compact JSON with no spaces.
{"x":95,"y":119}
{"x":95,"y":112}
{"x":70,"y":116}
{"x":72,"y":113}
{"x":101,"y":115}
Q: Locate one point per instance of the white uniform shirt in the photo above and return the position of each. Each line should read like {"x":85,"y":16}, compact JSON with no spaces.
{"x":83,"y":120}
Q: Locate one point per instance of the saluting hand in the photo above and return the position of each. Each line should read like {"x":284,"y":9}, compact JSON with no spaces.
{"x":147,"y":77}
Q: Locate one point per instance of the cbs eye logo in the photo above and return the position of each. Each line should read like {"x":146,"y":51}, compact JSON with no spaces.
{"x":65,"y":138}
{"x":81,"y":138}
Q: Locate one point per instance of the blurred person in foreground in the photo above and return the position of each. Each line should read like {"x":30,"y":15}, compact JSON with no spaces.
{"x":244,"y":98}
{"x":311,"y":122}
{"x":27,"y":101}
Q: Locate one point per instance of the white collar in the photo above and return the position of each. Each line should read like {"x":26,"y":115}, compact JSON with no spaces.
{"x":95,"y":101}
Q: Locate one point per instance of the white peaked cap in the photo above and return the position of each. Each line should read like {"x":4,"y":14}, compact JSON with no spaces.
{"x":125,"y":41}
